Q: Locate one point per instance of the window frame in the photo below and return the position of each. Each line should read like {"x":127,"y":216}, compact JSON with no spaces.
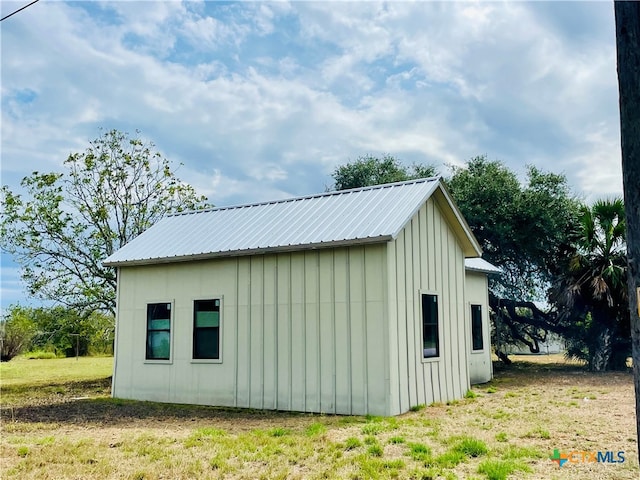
{"x":194,"y":329}
{"x":481,"y":326}
{"x":438,"y":355}
{"x":172,"y":310}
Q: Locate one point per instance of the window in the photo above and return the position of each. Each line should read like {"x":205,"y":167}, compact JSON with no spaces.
{"x":158,"y":331}
{"x":430,"y":337}
{"x":476,"y":327}
{"x":206,"y":329}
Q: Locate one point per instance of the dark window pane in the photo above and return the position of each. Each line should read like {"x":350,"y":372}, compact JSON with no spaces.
{"x":430,"y":338}
{"x":158,"y":331}
{"x":156,"y":311}
{"x":476,"y":327}
{"x":206,"y":329}
{"x":206,"y":343}
{"x":158,"y":345}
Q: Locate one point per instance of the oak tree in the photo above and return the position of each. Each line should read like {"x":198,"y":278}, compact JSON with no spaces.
{"x":60,"y":226}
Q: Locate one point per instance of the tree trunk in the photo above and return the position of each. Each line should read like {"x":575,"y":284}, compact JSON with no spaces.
{"x":628,"y":49}
{"x":600,"y":356}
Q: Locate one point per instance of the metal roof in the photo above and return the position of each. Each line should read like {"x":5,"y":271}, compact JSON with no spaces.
{"x":363,"y":215}
{"x":480,"y":265}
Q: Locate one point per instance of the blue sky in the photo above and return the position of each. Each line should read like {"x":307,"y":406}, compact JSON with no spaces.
{"x":263,"y":100}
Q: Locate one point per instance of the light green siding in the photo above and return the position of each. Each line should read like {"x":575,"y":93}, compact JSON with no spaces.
{"x":426,"y":257}
{"x":476,"y":291}
{"x":335,"y":330}
{"x":300,"y":331}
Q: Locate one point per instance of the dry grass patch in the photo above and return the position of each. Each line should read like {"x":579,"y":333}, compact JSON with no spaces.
{"x":533,"y":408}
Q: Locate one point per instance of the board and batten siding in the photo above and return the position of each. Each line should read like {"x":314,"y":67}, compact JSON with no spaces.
{"x":302,"y":331}
{"x":477,"y":293}
{"x":426,"y":257}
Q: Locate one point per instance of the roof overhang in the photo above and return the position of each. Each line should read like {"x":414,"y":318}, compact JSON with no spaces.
{"x":480,"y":265}
{"x":470,"y":245}
{"x":247,"y":252}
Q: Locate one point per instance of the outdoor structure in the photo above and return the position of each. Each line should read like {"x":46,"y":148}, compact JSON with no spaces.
{"x":477,"y":296}
{"x":348,"y":302}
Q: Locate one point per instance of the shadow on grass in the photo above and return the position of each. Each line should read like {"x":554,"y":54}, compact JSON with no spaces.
{"x":107,"y":411}
{"x":30,"y":393}
{"x":59,"y":403}
{"x":525,"y":367}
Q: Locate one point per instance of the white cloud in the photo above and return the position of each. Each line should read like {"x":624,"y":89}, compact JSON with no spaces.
{"x":263,"y":100}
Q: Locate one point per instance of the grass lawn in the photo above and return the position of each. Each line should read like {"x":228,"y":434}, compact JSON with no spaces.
{"x":59,"y":422}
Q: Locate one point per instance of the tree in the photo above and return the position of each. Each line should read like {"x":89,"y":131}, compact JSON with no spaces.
{"x":57,"y":328}
{"x":369,"y":170}
{"x":591,"y":293}
{"x":16,"y":331}
{"x":627,"y":16}
{"x":69,"y":222}
{"x":524,"y":229}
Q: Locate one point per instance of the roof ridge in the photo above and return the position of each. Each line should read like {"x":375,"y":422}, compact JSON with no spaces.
{"x":306,"y":197}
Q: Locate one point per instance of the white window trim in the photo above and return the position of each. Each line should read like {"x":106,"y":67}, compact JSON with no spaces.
{"x":420,"y":320}
{"x":172,"y":324}
{"x":220,"y":331}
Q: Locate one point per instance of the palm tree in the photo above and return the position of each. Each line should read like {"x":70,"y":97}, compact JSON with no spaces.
{"x":591,"y":295}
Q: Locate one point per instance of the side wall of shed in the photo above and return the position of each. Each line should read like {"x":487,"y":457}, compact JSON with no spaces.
{"x":426,"y":258}
{"x":301,"y":331}
{"x":477,"y":293}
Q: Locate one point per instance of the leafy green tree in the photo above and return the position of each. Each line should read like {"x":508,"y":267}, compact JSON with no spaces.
{"x":525,"y":229}
{"x":522,"y":228}
{"x":67,"y":223}
{"x":58,"y":329}
{"x":591,"y":293}
{"x":16,"y":332}
{"x":369,"y":170}
{"x":62,"y":330}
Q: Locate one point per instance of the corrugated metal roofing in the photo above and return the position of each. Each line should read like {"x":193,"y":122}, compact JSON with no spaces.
{"x":364,"y":215}
{"x":480,"y":265}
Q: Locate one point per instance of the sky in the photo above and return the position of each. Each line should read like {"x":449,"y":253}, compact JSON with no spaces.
{"x":261,"y":101}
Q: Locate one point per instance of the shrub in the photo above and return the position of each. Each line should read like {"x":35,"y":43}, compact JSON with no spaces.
{"x":16,"y":332}
{"x":40,"y":355}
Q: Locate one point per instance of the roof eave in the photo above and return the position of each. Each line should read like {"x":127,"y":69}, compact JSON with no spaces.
{"x":471,"y":247}
{"x":483,"y":270}
{"x":249,"y":251}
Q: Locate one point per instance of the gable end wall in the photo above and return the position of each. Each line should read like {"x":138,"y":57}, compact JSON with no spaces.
{"x":426,"y":257}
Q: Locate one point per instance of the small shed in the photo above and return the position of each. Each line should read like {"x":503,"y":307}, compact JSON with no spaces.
{"x":347,"y":302}
{"x":477,"y":294}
